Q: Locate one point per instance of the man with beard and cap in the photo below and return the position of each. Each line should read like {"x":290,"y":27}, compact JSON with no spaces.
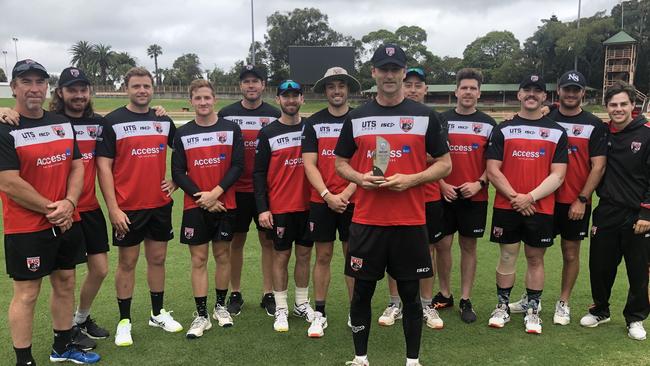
{"x":390,"y":137}
{"x":41,"y":179}
{"x":587,"y":139}
{"x":524,"y":203}
{"x":331,"y":203}
{"x":251,"y":113}
{"x":282,"y":200}
{"x":621,"y":221}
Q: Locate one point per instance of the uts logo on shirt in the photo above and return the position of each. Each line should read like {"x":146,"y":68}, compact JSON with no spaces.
{"x":406,"y":123}
{"x":58,"y":130}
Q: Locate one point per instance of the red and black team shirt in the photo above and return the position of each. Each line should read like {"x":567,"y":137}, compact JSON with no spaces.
{"x":204,"y":157}
{"x":137,"y":143}
{"x":250,"y":122}
{"x":587,"y":138}
{"x":87,"y":131}
{"x":468,"y":137}
{"x":527,"y":148}
{"x":279,"y":175}
{"x":42,"y":150}
{"x":412,"y":130}
{"x":321,"y":133}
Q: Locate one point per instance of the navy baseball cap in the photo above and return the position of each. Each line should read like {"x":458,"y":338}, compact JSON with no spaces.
{"x":533,"y":80}
{"x":252,"y":70}
{"x":416,"y":71}
{"x":287,"y":86}
{"x":26,"y":65}
{"x":389,"y":54}
{"x":71,"y":75}
{"x":574,"y":78}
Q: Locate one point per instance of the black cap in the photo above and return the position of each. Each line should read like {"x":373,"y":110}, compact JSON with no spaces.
{"x":572,"y":78}
{"x":533,"y":80}
{"x":253,"y":70}
{"x":26,"y":65}
{"x":287,"y":86}
{"x":71,"y":75}
{"x":389,"y":54}
{"x":417,"y":71}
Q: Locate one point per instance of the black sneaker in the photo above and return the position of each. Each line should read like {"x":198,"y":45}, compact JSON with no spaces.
{"x":441,"y":302}
{"x":268,"y":304}
{"x":81,"y":340}
{"x":92,"y":330}
{"x":235,"y":303}
{"x":467,"y":314}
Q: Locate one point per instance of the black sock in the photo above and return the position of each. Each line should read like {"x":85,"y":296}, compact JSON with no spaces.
{"x":221,"y":296}
{"x":360,"y":314}
{"x":202,"y":306}
{"x":24,"y":356}
{"x":534,"y":297}
{"x":125,"y":308}
{"x":409,"y":292}
{"x":62,"y":339}
{"x":503,"y":295}
{"x":320,"y":306}
{"x":157,"y":302}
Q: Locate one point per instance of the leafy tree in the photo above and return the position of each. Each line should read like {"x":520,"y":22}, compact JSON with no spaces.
{"x":121,"y":63}
{"x":52,"y":81}
{"x":154,"y":51}
{"x":493,"y":51}
{"x":187,"y":68}
{"x":103,"y":58}
{"x":3,"y":76}
{"x":83,"y":57}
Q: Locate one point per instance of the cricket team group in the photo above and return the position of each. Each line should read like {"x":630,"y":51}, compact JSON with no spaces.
{"x":395,"y":179}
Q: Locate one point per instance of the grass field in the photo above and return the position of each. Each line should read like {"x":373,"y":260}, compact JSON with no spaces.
{"x":252,"y":340}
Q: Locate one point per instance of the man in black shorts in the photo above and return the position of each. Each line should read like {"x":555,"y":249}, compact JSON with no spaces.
{"x":524,"y":204}
{"x":41,"y":178}
{"x":330,"y":206}
{"x":388,"y":231}
{"x":251,"y":113}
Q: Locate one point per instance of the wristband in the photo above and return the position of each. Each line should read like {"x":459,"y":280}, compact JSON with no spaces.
{"x":483,"y":183}
{"x":72,"y":203}
{"x":324,"y":193}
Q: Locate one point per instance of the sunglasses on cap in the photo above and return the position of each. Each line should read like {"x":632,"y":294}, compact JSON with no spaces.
{"x":416,"y":70}
{"x":289,"y":85}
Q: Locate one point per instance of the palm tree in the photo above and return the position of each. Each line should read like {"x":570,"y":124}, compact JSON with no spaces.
{"x":103,"y":57}
{"x":82,"y":55}
{"x":153,"y":52}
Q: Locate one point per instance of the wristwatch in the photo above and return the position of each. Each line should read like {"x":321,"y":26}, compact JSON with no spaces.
{"x":483,"y":183}
{"x":582,"y":199}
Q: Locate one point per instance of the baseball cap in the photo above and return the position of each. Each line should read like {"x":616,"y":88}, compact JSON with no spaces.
{"x":572,"y":78}
{"x":71,"y":75}
{"x":533,"y":80}
{"x":289,"y":85}
{"x":337,"y":73}
{"x":253,"y":70}
{"x":417,"y":71}
{"x":26,"y":65}
{"x":389,"y":54}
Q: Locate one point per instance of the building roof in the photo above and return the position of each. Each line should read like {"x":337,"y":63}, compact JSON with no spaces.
{"x":619,"y":38}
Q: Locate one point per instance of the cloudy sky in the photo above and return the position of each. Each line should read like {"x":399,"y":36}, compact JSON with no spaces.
{"x":219,"y":30}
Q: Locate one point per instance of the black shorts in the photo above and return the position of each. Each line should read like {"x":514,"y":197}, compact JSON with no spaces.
{"x":291,"y":227}
{"x":465,"y":216}
{"x":93,"y":225}
{"x":201,"y":226}
{"x":402,"y":251}
{"x":35,"y":255}
{"x":570,"y":229}
{"x":154,"y":224}
{"x":323,"y":222}
{"x":510,"y":227}
{"x":434,"y":220}
{"x":245,"y":212}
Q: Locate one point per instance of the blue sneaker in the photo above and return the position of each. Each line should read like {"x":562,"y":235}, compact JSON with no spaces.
{"x":74,"y":354}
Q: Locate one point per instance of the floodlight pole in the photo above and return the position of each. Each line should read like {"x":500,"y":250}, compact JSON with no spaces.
{"x":252,"y":34}
{"x":575,"y":60}
{"x":15,"y":39}
{"x":4,"y":53}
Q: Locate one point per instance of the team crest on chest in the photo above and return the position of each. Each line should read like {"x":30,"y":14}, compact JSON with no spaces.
{"x":222,"y":137}
{"x":544,"y":133}
{"x":33,"y":263}
{"x":477,"y":127}
{"x":356,"y":263}
{"x":577,"y":130}
{"x":406,"y":123}
{"x":158,"y":127}
{"x":635,"y":146}
{"x":58,"y":130}
{"x":264,"y":121}
{"x":92,"y":131}
{"x":189,"y":232}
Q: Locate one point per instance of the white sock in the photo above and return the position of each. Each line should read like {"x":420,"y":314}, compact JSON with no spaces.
{"x":302,"y":295}
{"x":412,"y":361}
{"x":281,"y":299}
{"x":81,"y":315}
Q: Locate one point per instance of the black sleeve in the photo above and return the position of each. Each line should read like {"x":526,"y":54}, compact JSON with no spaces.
{"x":262,"y":159}
{"x":106,"y":142}
{"x":644,"y":212}
{"x":345,"y":145}
{"x":172,"y":133}
{"x":8,"y":157}
{"x":495,"y":146}
{"x":237,"y":161}
{"x":309,"y":139}
{"x":179,"y":169}
{"x":436,"y":135}
{"x":598,"y":140}
{"x":561,"y":153}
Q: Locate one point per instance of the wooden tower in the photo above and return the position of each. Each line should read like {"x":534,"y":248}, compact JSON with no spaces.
{"x":620,"y":60}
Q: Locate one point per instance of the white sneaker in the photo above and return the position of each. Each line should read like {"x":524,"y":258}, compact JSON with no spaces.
{"x":199,"y":325}
{"x":281,"y":323}
{"x":165,"y":321}
{"x":432,"y":317}
{"x":635,"y":331}
{"x":499,"y":316}
{"x":349,"y":321}
{"x":221,"y":315}
{"x":305,"y":311}
{"x":358,"y":362}
{"x":592,"y":321}
{"x":318,"y":325}
{"x":123,"y":333}
{"x":533,"y":322}
{"x":562,"y":313}
{"x":392,"y":313}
